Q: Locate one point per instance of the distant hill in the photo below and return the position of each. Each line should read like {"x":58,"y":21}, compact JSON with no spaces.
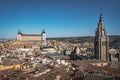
{"x":74,"y":39}
{"x":114,"y":40}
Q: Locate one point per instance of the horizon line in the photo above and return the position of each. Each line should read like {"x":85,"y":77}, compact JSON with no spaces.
{"x":61,"y":37}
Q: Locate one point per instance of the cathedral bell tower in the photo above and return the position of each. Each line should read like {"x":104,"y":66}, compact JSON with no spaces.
{"x":101,"y":41}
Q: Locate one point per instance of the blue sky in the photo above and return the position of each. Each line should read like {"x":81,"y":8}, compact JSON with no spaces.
{"x":59,"y":18}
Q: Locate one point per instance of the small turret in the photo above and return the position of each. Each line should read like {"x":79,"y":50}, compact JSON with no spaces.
{"x":43,"y":35}
{"x":19,"y":35}
{"x":43,"y":31}
{"x":19,"y":32}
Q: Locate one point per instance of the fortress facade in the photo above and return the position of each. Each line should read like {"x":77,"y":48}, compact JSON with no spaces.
{"x":31,"y":37}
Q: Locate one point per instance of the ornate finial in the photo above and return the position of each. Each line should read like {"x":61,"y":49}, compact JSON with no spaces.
{"x":101,"y":16}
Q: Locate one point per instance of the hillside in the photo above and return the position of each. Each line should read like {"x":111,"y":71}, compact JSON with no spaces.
{"x":114,"y":40}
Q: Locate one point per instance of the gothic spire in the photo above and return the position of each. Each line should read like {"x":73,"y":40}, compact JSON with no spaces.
{"x":101,"y":27}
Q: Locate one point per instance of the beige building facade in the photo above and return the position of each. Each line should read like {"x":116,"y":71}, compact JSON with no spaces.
{"x":31,"y":37}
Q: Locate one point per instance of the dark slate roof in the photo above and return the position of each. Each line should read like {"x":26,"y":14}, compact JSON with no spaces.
{"x":19,"y":32}
{"x":43,"y":31}
{"x":31,"y":34}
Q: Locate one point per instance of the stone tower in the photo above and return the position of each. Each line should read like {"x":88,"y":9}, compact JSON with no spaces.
{"x":43,"y":37}
{"x":19,"y":35}
{"x":101,"y":41}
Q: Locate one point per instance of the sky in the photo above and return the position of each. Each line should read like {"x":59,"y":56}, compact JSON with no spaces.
{"x":59,"y":18}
